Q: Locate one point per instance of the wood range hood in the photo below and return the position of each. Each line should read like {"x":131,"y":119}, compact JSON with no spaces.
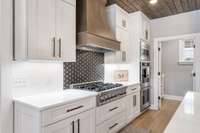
{"x":93,"y":31}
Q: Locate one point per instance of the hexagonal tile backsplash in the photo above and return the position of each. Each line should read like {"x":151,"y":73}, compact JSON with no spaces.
{"x":89,"y":66}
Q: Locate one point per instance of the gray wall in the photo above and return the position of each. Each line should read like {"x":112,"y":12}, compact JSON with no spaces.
{"x":180,"y":24}
{"x":178,"y":79}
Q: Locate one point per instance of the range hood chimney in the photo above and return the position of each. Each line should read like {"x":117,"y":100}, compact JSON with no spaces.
{"x":93,"y":31}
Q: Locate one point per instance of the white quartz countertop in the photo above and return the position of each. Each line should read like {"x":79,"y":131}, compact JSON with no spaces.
{"x":187,"y":117}
{"x":47,"y":100}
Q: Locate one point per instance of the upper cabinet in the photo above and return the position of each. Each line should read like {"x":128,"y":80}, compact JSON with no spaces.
{"x":145,"y":28}
{"x":66,"y":30}
{"x":118,"y":21}
{"x":121,"y":18}
{"x":139,"y":26}
{"x":139,"y":33}
{"x":45,"y":30}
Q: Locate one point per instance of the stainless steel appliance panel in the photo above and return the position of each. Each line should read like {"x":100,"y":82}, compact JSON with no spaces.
{"x":145,"y":98}
{"x":145,"y":74}
{"x":144,"y":51}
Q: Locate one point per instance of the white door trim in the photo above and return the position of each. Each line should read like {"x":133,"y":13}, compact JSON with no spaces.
{"x":156,"y":63}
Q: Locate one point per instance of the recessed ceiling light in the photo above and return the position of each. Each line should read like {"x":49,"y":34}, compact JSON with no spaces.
{"x":153,"y":1}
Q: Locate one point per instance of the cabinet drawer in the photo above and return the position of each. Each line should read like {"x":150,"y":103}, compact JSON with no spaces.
{"x":59,"y":113}
{"x":107,"y":111}
{"x":133,"y":89}
{"x":84,"y":123}
{"x":113,"y":125}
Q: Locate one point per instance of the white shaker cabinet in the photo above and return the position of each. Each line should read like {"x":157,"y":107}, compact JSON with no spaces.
{"x":44,"y":30}
{"x":118,"y":21}
{"x":133,"y":103}
{"x":81,"y":123}
{"x":111,"y":117}
{"x":145,"y":28}
{"x":66,"y":126}
{"x":138,"y":23}
{"x":69,"y":111}
{"x":66,"y":31}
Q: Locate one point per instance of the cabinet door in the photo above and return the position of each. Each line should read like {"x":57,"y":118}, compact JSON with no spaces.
{"x":133,"y":106}
{"x":65,"y":31}
{"x":122,"y":19}
{"x":122,"y":36}
{"x":41,"y":29}
{"x":86,"y":122}
{"x":145,"y":29}
{"x":122,"y":55}
{"x":65,"y":126}
{"x":81,"y":123}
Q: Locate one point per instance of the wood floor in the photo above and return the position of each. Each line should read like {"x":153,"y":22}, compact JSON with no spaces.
{"x":157,"y":121}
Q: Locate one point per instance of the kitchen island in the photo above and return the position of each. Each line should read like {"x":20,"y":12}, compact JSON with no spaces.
{"x":187,"y":117}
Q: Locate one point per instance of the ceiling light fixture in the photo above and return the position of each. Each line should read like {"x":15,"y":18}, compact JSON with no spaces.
{"x":153,"y":1}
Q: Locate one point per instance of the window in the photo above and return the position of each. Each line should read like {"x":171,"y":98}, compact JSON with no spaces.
{"x":186,"y":51}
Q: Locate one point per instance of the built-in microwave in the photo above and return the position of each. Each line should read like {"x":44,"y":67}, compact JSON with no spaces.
{"x":144,"y":51}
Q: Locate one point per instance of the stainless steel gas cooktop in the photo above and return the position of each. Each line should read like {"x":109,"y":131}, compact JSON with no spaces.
{"x":107,"y":92}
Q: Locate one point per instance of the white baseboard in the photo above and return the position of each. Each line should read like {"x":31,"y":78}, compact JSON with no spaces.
{"x":153,"y":107}
{"x":171,"y":97}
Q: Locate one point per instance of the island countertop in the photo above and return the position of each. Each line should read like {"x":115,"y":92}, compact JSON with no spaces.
{"x":47,"y":100}
{"x":187,"y":117}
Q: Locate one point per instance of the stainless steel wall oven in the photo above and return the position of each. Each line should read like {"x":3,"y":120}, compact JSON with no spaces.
{"x":145,"y":75}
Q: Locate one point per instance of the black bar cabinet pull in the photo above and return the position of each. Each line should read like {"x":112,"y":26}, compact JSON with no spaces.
{"x":113,"y":126}
{"x":69,"y":110}
{"x":113,"y":109}
{"x":72,"y":126}
{"x":78,"y":125}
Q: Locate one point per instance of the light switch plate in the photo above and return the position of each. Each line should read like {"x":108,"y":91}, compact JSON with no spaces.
{"x":20,"y":82}
{"x":121,"y":75}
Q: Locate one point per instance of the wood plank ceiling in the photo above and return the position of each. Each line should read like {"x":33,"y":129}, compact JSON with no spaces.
{"x":161,"y":9}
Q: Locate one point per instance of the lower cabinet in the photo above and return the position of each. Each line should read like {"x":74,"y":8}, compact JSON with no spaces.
{"x":113,"y":125}
{"x":133,"y":105}
{"x":80,"y":116}
{"x":111,"y":117}
{"x":81,"y":123}
{"x":65,"y":126}
{"x":109,"y":110}
{"x":75,"y":117}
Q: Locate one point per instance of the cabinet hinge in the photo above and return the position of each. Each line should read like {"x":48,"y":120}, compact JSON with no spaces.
{"x":159,"y":49}
{"x":194,"y":46}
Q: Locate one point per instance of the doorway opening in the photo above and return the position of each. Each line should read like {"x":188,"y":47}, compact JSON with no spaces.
{"x":175,"y":67}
